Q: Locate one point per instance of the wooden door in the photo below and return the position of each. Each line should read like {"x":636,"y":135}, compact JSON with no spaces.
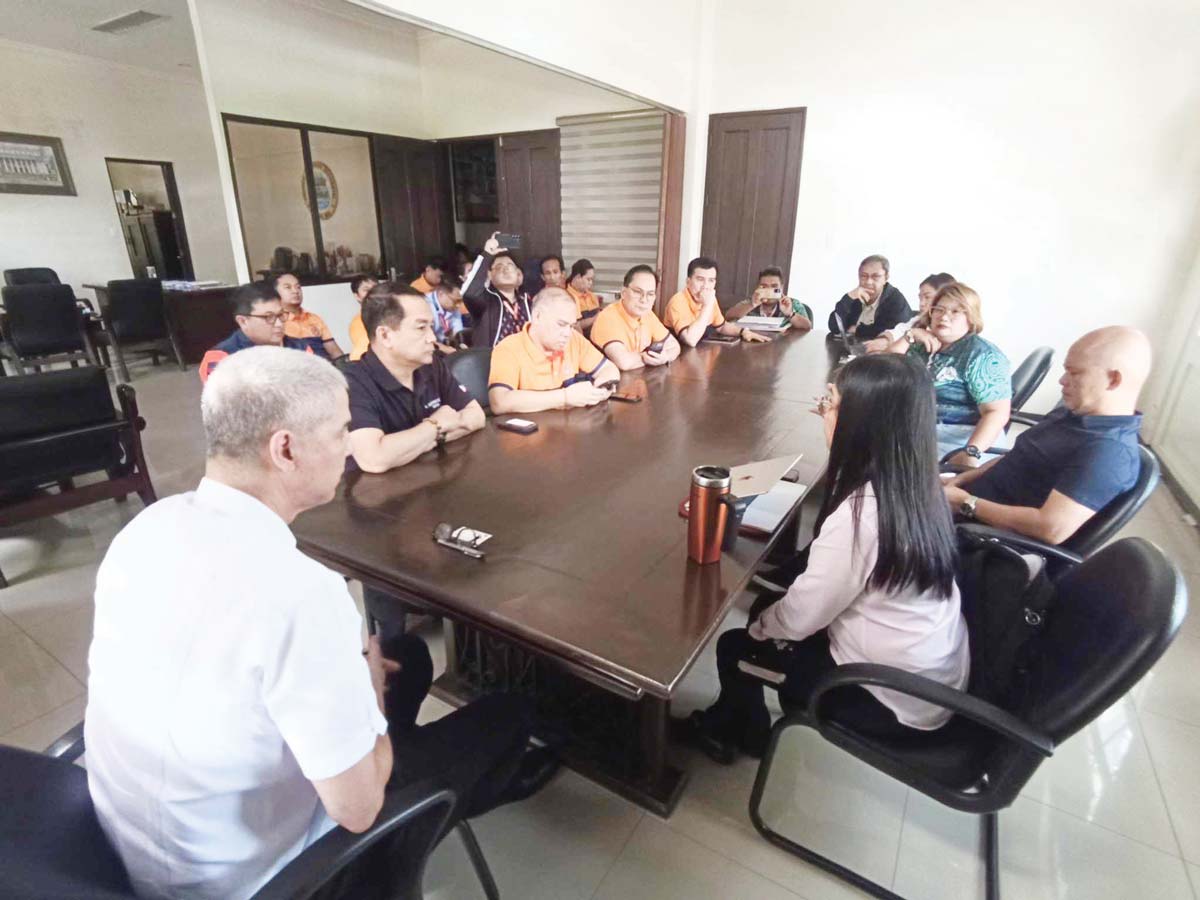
{"x":412,"y":185}
{"x":750,"y":194}
{"x":529,"y":191}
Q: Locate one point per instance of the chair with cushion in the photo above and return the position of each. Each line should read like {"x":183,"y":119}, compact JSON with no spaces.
{"x":58,"y":425}
{"x":1108,"y":621}
{"x":135,"y":320}
{"x":32,"y":275}
{"x":42,"y":325}
{"x":471,"y":368}
{"x":52,"y":846}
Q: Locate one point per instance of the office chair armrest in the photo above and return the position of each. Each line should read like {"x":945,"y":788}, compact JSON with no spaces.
{"x":1025,"y":418}
{"x":339,"y":847}
{"x":872,"y":674}
{"x":43,"y":439}
{"x":127,"y":397}
{"x":1019,"y":542}
{"x":68,"y":747}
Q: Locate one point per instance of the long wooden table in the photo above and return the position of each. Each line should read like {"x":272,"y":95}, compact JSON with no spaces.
{"x":588,"y":570}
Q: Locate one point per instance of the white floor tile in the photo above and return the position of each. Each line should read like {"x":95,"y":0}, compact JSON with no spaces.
{"x":661,"y":864}
{"x":1180,"y":542}
{"x":45,"y":730}
{"x":32,"y":683}
{"x":50,"y":593}
{"x":1045,"y":854}
{"x":1163,"y":506}
{"x":1194,"y":872}
{"x":1175,"y":749}
{"x":7,"y":625}
{"x":557,"y":845}
{"x":1171,"y":688}
{"x":818,"y":796}
{"x":1104,"y":775}
{"x":67,"y":638}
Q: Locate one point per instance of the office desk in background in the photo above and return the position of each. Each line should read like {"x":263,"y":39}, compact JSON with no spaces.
{"x":586,"y":599}
{"x":198,"y":317}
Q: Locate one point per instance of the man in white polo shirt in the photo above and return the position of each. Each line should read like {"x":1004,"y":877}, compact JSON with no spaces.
{"x":233,"y":714}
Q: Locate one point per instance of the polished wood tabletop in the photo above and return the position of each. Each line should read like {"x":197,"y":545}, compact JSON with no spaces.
{"x":588,"y":562}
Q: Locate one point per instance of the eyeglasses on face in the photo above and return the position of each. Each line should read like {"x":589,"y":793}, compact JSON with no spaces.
{"x":270,"y":318}
{"x":950,"y":311}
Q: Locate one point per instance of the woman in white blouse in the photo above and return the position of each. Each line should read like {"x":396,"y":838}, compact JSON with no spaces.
{"x":879,"y":584}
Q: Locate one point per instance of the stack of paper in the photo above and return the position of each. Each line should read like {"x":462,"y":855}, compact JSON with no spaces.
{"x":765,"y":323}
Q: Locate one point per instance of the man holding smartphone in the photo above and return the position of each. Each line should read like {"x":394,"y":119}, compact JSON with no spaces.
{"x":771,"y":302}
{"x":548,"y":364}
{"x":628,"y":332}
{"x":692,"y":312}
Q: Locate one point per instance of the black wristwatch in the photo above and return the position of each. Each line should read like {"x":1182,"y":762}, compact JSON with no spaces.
{"x":973,"y":452}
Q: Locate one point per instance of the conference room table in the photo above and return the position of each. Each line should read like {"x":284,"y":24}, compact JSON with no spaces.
{"x":586,"y":600}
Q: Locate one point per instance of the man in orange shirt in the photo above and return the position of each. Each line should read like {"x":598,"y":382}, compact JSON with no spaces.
{"x":548,"y":364}
{"x":629,"y":332}
{"x":259,"y":317}
{"x":694,"y":310}
{"x":300,"y":324}
{"x":360,"y":286}
{"x":431,"y":275}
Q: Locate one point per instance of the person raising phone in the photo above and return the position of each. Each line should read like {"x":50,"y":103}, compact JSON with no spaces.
{"x":771,"y":302}
{"x":498,"y":306}
{"x":548,"y":364}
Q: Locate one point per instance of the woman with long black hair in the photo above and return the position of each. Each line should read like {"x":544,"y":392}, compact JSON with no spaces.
{"x":879,"y":584}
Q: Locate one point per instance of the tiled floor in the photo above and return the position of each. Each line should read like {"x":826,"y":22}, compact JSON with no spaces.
{"x":1114,"y":814}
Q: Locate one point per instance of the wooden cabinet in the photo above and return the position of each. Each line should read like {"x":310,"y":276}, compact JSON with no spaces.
{"x":151,"y":240}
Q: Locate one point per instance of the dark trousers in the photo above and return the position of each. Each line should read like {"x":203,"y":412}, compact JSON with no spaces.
{"x":740,"y":716}
{"x":474,"y":750}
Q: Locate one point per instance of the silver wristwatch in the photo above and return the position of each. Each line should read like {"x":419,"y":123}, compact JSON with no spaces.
{"x":967,"y":507}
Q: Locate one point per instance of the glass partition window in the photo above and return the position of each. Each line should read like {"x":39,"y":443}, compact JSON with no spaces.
{"x":268,"y":165}
{"x":345,"y":190}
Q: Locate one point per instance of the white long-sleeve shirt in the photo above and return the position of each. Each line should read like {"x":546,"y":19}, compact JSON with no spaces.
{"x":918,"y":632}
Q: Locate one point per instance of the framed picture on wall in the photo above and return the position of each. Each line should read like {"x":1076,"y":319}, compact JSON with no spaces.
{"x":473,"y":167}
{"x":33,"y":164}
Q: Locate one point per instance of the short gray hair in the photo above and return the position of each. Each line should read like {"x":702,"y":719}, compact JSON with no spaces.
{"x":877,"y":258}
{"x":261,"y":390}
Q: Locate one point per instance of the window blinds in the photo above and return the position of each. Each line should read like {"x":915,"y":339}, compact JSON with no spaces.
{"x":611,"y":177}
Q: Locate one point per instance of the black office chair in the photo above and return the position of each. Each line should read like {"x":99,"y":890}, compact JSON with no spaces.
{"x":135,"y":320}
{"x":1110,"y":620}
{"x":43,"y":325}
{"x":32,"y":275}
{"x":471,"y":368}
{"x":1096,"y":531}
{"x":52,"y":846}
{"x":1029,"y":375}
{"x":59,"y":425}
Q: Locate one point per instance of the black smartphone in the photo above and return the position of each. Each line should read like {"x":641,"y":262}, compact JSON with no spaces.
{"x":520,"y":426}
{"x":608,"y":385}
{"x":626,"y":397}
{"x":509,"y":241}
{"x":656,"y":347}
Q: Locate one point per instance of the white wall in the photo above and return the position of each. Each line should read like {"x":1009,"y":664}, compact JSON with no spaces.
{"x":104,"y":109}
{"x":469,"y":90}
{"x":289,"y":61}
{"x":1047,"y":155}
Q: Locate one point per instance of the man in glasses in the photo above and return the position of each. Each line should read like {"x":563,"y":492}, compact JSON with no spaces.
{"x":260,"y":319}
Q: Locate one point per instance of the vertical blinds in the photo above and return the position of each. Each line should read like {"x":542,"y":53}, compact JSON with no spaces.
{"x":611,"y":176}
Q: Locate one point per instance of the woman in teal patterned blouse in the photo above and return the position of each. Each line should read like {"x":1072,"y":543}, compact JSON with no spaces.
{"x":970,"y":375}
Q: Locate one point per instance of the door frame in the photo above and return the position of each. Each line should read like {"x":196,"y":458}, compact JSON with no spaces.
{"x":795,"y":161}
{"x":168,"y":172}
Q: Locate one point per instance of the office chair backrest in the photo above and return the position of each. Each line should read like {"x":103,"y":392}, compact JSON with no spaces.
{"x":51,"y":843}
{"x":135,"y":310}
{"x":30,"y":276}
{"x":471,"y":368}
{"x":1105,"y":524}
{"x":42,"y":319}
{"x":1112,"y":618}
{"x":1029,"y":375}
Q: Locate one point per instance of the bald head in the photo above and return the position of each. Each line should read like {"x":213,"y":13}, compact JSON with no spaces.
{"x":1105,"y":371}
{"x":554,"y":316}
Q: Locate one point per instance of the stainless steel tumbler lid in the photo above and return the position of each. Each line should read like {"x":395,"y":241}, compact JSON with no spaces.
{"x":710,"y":477}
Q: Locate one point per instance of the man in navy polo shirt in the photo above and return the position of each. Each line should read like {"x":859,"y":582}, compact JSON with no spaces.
{"x":259,"y":315}
{"x":1077,"y":459}
{"x":403,"y":399}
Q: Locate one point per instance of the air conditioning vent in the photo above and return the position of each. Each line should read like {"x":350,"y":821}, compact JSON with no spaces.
{"x":128,"y":22}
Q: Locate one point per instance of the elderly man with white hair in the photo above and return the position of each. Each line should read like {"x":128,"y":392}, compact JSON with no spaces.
{"x":233,"y":713}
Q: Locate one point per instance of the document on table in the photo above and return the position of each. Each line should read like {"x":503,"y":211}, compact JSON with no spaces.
{"x":765,"y":323}
{"x":767,"y":510}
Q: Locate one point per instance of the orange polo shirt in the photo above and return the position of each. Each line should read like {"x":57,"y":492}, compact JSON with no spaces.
{"x":360,"y":341}
{"x":682,"y":310}
{"x":614,"y":323}
{"x":519,"y":363}
{"x":584,"y":300}
{"x":422,"y":285}
{"x":304,"y":324}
